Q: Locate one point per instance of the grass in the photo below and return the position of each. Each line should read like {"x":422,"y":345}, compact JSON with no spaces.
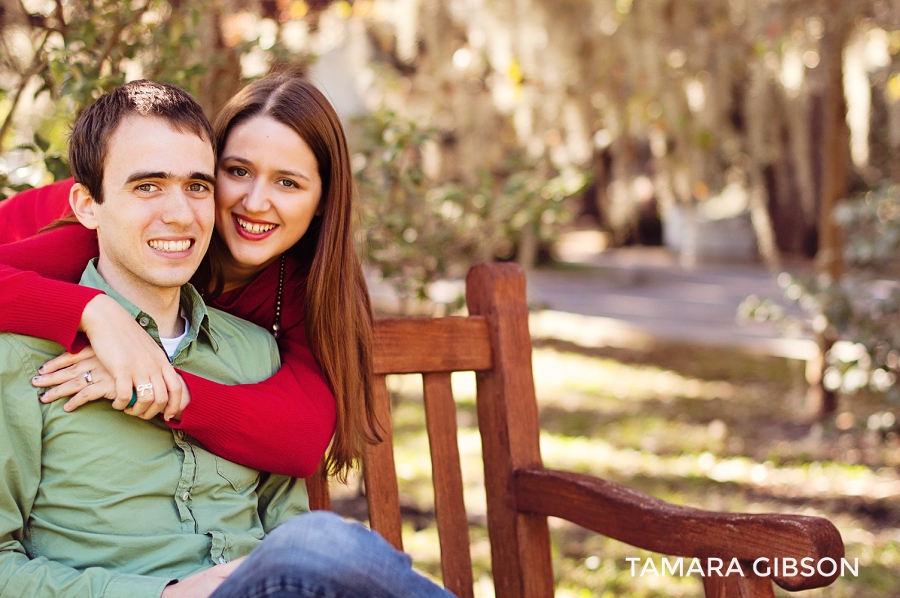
{"x":707,"y":428}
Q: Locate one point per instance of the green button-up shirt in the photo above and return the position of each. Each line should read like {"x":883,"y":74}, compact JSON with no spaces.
{"x":99,"y":503}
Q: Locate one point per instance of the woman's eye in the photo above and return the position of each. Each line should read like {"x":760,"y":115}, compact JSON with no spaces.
{"x":238,"y":171}
{"x":287,"y":183}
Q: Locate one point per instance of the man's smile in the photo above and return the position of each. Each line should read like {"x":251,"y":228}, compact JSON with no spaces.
{"x":171,"y":245}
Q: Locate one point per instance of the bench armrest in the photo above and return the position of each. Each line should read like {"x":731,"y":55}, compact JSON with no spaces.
{"x":646,"y":522}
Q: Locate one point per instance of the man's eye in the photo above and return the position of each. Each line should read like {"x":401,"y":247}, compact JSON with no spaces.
{"x":146,"y":187}
{"x":198,"y":187}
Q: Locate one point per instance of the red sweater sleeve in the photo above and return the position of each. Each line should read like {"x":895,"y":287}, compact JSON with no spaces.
{"x":39,"y":277}
{"x":282,"y":424}
{"x":24,"y":214}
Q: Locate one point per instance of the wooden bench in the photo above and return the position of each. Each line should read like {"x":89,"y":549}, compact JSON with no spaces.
{"x":495,"y":343}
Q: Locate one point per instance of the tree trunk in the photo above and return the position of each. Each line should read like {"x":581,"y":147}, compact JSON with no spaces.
{"x":835,"y":175}
{"x":223,"y":76}
{"x":761,"y":148}
{"x":835,"y":155}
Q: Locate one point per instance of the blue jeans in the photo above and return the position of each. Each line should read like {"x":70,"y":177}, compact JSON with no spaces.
{"x":319,"y":555}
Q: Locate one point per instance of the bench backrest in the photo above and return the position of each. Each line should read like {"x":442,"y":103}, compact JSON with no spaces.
{"x":494,"y":342}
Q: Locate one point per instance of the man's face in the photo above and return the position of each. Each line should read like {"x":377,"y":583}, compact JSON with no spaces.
{"x":158,"y":211}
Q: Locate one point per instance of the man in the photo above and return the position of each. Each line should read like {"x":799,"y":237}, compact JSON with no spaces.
{"x":97,"y":503}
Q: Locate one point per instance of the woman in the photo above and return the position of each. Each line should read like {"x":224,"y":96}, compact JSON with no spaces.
{"x":282,"y":256}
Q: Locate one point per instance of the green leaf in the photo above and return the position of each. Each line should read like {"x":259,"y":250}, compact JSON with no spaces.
{"x":57,"y":166}
{"x":40,"y":142}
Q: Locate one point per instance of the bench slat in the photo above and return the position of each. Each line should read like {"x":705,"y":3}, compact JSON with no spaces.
{"x":380,"y":476}
{"x":422,"y":345}
{"x":449,"y":507}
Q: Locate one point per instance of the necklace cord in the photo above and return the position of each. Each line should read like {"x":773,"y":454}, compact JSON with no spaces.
{"x":276,"y":327}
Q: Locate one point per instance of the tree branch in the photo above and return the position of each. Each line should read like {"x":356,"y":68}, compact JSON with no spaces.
{"x":117,"y":32}
{"x":37,"y":65}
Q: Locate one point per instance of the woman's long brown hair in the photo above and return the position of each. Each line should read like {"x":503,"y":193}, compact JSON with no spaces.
{"x":338,"y":312}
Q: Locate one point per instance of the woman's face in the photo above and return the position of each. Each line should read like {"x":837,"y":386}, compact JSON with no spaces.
{"x":267,"y":191}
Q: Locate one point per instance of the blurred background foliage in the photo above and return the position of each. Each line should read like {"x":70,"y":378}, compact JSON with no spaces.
{"x":862,"y":307}
{"x":57,"y":57}
{"x":418,"y":229}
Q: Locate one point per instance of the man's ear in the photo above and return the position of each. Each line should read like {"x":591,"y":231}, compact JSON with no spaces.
{"x":83,"y":206}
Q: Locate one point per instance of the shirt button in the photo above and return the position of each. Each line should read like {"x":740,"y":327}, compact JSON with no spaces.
{"x":222,"y":560}
{"x":180,"y":434}
{"x":144,"y":321}
{"x":185,"y":496}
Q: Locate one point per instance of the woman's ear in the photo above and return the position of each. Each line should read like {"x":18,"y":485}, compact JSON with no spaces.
{"x":83,"y":206}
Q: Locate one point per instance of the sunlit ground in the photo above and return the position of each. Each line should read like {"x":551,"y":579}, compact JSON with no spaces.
{"x":706,"y":428}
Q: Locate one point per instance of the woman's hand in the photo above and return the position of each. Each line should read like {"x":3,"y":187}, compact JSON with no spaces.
{"x":130,"y":357}
{"x":66,"y":377}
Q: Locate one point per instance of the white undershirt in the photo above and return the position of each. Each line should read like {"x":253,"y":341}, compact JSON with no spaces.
{"x":170,"y":344}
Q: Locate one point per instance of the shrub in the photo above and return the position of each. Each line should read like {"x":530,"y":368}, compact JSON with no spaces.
{"x":863,"y":307}
{"x":418,"y":230}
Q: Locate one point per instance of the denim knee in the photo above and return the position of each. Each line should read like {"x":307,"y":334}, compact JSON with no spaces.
{"x":329,"y":536}
{"x":328,"y":556}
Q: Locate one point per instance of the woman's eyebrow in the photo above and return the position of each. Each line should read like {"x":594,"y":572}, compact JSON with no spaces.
{"x":293,"y":173}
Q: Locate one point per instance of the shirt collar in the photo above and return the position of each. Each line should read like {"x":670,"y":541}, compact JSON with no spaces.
{"x":192,"y":306}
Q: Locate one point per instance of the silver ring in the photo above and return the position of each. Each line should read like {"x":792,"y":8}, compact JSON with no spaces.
{"x":142,"y":387}
{"x":88,"y":378}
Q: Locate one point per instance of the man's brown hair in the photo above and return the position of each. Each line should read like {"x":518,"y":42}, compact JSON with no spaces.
{"x":94,"y":127}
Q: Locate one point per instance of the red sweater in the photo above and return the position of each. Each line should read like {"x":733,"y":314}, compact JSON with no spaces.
{"x":282,"y":425}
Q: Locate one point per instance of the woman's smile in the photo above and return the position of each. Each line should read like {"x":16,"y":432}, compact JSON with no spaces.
{"x":251,"y":229}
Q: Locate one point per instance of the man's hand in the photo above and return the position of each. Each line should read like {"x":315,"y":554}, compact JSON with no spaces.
{"x":201,"y":585}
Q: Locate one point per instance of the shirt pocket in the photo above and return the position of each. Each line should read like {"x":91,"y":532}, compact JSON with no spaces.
{"x":238,"y":476}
